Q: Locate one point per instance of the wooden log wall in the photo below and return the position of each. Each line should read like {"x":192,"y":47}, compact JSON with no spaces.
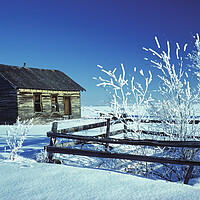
{"x":76,"y":106}
{"x":8,"y":102}
{"x":26,"y":103}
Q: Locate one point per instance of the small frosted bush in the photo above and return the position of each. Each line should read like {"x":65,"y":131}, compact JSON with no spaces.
{"x":16,"y":134}
{"x":42,"y":157}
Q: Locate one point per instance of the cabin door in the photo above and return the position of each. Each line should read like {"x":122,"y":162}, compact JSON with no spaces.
{"x":67,"y":102}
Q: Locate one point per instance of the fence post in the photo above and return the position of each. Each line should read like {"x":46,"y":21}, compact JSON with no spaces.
{"x":107,"y":133}
{"x":125,"y":125}
{"x":188,"y":174}
{"x":54,"y":129}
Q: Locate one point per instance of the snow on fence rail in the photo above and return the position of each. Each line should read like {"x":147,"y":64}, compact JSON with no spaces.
{"x":105,"y":140}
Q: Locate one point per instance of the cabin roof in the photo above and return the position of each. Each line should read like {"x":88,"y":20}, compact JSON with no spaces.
{"x":35,"y":78}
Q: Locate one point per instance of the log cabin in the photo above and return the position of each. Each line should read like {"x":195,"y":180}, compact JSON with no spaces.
{"x":32,"y":92}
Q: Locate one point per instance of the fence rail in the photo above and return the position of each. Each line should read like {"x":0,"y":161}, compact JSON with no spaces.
{"x":83,"y":127}
{"x":146,"y":142}
{"x":103,"y":154}
{"x":106,"y":140}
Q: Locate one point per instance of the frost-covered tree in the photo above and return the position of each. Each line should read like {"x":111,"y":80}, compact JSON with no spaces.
{"x":175,"y":108}
{"x":128,"y":97}
{"x":195,"y":56}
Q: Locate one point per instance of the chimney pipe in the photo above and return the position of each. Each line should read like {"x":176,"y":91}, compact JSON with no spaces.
{"x":24,"y":64}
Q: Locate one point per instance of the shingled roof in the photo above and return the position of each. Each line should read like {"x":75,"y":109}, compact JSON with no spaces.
{"x":34,"y":78}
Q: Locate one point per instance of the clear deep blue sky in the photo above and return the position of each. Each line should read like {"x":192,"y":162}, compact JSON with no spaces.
{"x":76,"y":35}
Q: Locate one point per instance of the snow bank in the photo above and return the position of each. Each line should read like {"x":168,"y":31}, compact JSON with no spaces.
{"x":26,"y":179}
{"x":50,"y":181}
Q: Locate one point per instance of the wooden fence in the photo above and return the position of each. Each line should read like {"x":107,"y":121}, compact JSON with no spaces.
{"x":105,"y":139}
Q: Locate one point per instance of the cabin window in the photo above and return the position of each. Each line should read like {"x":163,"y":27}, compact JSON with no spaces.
{"x":38,"y":102}
{"x":54,"y":103}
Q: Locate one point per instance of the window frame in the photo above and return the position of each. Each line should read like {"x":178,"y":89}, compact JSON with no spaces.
{"x":37,"y":103}
{"x":56,"y":104}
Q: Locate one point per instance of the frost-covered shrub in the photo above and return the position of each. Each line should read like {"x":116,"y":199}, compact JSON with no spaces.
{"x":16,"y":134}
{"x":128,"y":98}
{"x":195,"y":55}
{"x":175,"y":108}
{"x":42,"y":157}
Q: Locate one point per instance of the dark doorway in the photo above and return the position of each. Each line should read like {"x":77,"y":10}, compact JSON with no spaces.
{"x":67,"y":103}
{"x":38,"y":102}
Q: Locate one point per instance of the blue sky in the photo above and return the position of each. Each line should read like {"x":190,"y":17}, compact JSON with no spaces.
{"x":76,"y":35}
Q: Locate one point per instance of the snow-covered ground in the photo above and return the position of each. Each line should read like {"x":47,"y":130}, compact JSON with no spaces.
{"x":40,"y":181}
{"x":24,"y":178}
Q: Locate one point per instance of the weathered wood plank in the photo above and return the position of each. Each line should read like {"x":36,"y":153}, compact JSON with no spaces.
{"x":107,"y":133}
{"x":8,"y":102}
{"x":84,"y":127}
{"x":26,"y":102}
{"x":189,"y":144}
{"x":60,"y":93}
{"x":53,"y":139}
{"x":68,"y":144}
{"x":159,"y":121}
{"x":161,"y":133}
{"x":102,"y":154}
{"x":189,"y":173}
